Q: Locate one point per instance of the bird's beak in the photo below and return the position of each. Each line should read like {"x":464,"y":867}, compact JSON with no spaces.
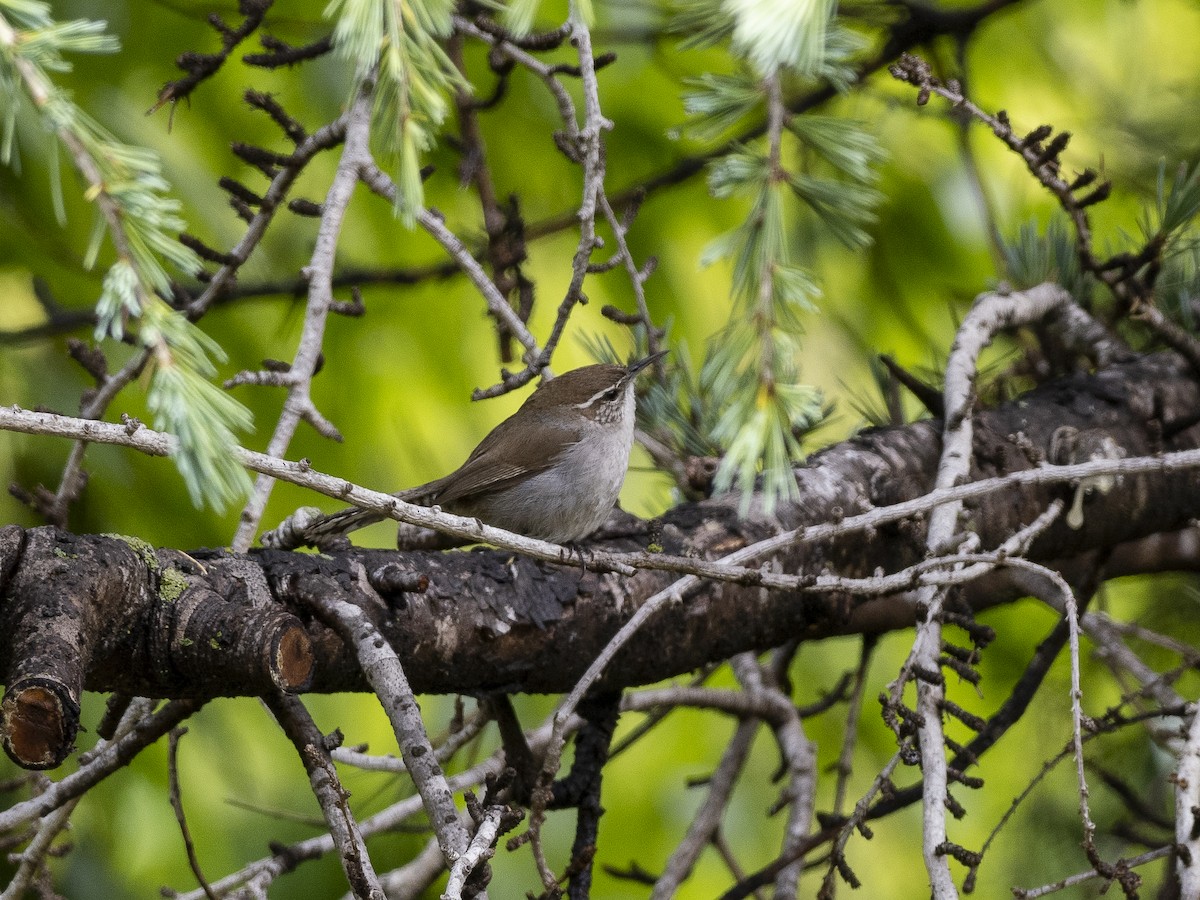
{"x":635,"y":367}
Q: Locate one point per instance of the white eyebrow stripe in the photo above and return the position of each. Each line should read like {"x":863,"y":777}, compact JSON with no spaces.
{"x":592,"y":399}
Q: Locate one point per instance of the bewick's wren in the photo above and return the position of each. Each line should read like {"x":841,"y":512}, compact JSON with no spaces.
{"x":551,"y":470}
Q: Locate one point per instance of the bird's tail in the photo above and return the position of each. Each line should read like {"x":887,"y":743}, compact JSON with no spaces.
{"x":308,"y":526}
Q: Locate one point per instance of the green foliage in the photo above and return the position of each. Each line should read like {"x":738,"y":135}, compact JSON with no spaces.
{"x":751,"y":371}
{"x":136,"y":212}
{"x":397,"y":45}
{"x":1177,"y":203}
{"x":1032,"y":257}
{"x":1178,"y":285}
{"x":720,"y":102}
{"x":781,"y":34}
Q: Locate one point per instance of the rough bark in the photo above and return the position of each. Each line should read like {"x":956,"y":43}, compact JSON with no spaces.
{"x":106,"y":614}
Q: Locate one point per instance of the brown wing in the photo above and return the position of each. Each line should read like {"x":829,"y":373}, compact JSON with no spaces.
{"x":485,"y":471}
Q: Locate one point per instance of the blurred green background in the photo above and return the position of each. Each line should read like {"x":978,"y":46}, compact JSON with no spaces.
{"x":1120,"y":76}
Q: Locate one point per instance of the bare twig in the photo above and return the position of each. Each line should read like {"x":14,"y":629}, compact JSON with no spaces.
{"x":146,"y":728}
{"x":443,"y":752}
{"x":850,"y":736}
{"x":990,"y":314}
{"x":706,"y":820}
{"x":262,"y":872}
{"x":386,"y":676}
{"x":1187,"y":812}
{"x":299,"y":405}
{"x":176,"y":796}
{"x":334,"y":800}
{"x":1084,"y":877}
{"x":800,"y":766}
{"x":51,"y":825}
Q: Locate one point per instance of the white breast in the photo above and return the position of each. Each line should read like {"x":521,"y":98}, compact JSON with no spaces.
{"x":572,"y":498}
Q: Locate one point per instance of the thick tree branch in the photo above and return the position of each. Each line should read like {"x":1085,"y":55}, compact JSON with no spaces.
{"x":501,"y":620}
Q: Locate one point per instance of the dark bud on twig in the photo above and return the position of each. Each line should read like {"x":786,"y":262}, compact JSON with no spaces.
{"x":245,"y":213}
{"x":972,"y":721}
{"x":960,"y":653}
{"x":268,"y":104}
{"x":239,"y":191}
{"x":964,"y":671}
{"x":1053,"y":149}
{"x":959,"y":854}
{"x":333,"y":740}
{"x":846,"y":872}
{"x":204,"y":251}
{"x":931,"y":676}
{"x":619,"y":316}
{"x":302,"y":207}
{"x":266,"y":161}
{"x":284,"y":54}
{"x":1036,"y":136}
{"x":955,"y":808}
{"x":91,"y":358}
{"x":981,"y":635}
{"x":1084,"y":179}
{"x":971,"y":781}
{"x":197,"y":63}
{"x":1098,"y":195}
{"x":354,"y":308}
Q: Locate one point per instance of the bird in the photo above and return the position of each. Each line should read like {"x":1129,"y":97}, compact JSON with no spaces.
{"x":552,"y":470}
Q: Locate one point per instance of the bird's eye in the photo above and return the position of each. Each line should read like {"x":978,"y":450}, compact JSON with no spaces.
{"x":612,"y":394}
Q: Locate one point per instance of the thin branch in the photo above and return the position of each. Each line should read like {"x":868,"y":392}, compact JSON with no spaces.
{"x":706,"y":820}
{"x":850,"y":736}
{"x":222,"y":282}
{"x":1187,"y":812}
{"x":108,"y":758}
{"x":478,"y":852}
{"x":299,"y":404}
{"x":990,"y":314}
{"x":52,"y":824}
{"x":386,"y":676}
{"x":799,"y":758}
{"x":381,"y":183}
{"x":176,"y":796}
{"x":334,"y":800}
{"x":1084,"y":877}
{"x":264,"y":871}
{"x":444,"y":751}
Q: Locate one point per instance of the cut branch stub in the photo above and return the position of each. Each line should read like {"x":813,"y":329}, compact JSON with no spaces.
{"x":114,"y":615}
{"x":45,"y":651}
{"x":263,"y":644}
{"x":39,"y":719}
